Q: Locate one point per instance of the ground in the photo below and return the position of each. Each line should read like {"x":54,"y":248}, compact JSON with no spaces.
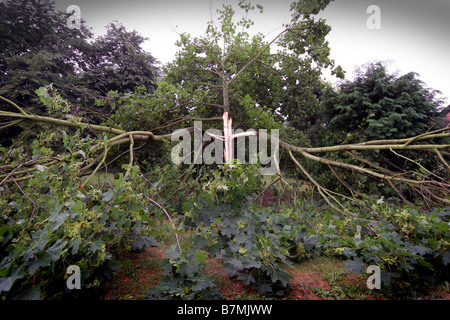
{"x":320,"y":278}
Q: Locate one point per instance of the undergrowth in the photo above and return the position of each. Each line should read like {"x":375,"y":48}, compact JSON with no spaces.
{"x":52,"y":221}
{"x":258,"y":243}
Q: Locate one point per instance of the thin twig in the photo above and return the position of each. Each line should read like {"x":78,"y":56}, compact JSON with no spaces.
{"x":266,"y":188}
{"x":13,"y":104}
{"x":319,"y":187}
{"x":35,"y":205}
{"x":170,"y":219}
{"x":98,"y":167}
{"x":442,"y":159}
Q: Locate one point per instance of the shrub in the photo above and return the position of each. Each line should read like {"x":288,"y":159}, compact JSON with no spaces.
{"x":48,"y":223}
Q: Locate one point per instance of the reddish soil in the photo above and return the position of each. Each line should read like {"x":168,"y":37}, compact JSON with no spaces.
{"x":143,"y":272}
{"x":302,"y":281}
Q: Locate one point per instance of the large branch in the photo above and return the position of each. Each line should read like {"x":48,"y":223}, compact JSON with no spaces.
{"x":427,"y":184}
{"x":60,"y":122}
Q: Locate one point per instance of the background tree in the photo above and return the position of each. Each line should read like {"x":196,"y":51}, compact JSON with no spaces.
{"x":305,"y":55}
{"x":222,"y":71}
{"x":118,"y":63}
{"x":39,"y":50}
{"x":377,"y":105}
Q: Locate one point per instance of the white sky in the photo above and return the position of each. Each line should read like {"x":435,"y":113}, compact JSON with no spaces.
{"x":413,"y":35}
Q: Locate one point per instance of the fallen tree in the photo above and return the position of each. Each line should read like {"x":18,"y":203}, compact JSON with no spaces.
{"x":435,"y":189}
{"x":78,"y":215}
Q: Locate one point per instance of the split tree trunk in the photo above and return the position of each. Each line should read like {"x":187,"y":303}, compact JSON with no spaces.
{"x":227,"y":124}
{"x":228,"y":131}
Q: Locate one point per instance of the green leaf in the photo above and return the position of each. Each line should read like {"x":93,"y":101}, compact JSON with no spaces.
{"x":446,"y":259}
{"x":216,"y":222}
{"x":107,"y":196}
{"x":441,"y":226}
{"x":97,"y":245}
{"x":55,"y":250}
{"x":42,"y":93}
{"x":425,"y":264}
{"x":3,"y":229}
{"x":75,"y":244}
{"x":356,"y":266}
{"x":201,"y":255}
{"x":59,"y":219}
{"x":43,"y":259}
{"x":33,"y":293}
{"x":7,"y":283}
{"x":144,"y":242}
{"x":5,"y":271}
{"x":433,"y":243}
{"x":201,"y":285}
{"x":281,"y":276}
{"x":243,"y":251}
{"x":189,"y":269}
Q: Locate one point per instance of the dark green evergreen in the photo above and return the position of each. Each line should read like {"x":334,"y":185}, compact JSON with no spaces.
{"x":378,"y":105}
{"x":38,"y":49}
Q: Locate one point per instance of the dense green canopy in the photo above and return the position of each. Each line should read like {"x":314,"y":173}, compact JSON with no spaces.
{"x":38,"y":49}
{"x":379,"y":105}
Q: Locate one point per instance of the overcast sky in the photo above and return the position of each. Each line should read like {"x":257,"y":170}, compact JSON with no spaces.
{"x":413,"y":34}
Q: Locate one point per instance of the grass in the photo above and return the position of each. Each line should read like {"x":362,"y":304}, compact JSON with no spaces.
{"x":327,"y":278}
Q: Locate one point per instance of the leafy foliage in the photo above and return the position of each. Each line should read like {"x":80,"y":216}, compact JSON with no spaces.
{"x":50,"y":223}
{"x":377,"y":105}
{"x":290,"y":75}
{"x":257,"y":244}
{"x":37,"y":50}
{"x":184,"y":277}
{"x":230,"y":227}
{"x":410,"y":246}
